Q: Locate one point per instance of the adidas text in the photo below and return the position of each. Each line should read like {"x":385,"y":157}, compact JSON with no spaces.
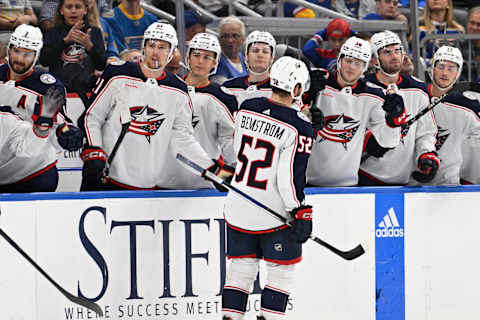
{"x":389,"y":227}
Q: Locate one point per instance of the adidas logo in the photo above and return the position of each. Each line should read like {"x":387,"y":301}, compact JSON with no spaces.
{"x":389,"y":226}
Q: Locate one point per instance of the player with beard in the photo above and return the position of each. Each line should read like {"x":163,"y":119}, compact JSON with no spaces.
{"x":213,"y":111}
{"x":350,"y":105}
{"x":457,"y":118}
{"x":28,"y":90}
{"x":156,"y":108}
{"x":417,"y":145}
{"x":259,"y":55}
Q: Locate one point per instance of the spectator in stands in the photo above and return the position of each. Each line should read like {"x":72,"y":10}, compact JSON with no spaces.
{"x":74,"y":48}
{"x":175,"y":65}
{"x":292,"y":10}
{"x":232,"y":62}
{"x":111,"y":51}
{"x":386,"y":10}
{"x":194,"y":23}
{"x":355,"y":8}
{"x":438,"y":18}
{"x":128,"y":24}
{"x":336,"y":33}
{"x":15,"y":13}
{"x":473,"y":27}
{"x":49,"y":9}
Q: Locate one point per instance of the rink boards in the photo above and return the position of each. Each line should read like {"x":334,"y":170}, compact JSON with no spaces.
{"x":160,"y":255}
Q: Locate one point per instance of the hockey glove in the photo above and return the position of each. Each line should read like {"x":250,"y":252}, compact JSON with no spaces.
{"x":47,"y":107}
{"x":395,"y":109}
{"x":69,"y":137}
{"x":318,"y":120}
{"x":428,"y":163}
{"x":318,"y":79}
{"x":94,"y":160}
{"x":371,"y":146}
{"x":302,"y":222}
{"x":223,"y":171}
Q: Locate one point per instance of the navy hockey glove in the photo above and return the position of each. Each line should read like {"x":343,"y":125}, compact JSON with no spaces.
{"x":223,"y":171}
{"x":302,"y":222}
{"x":94,"y":160}
{"x":69,"y":137}
{"x":318,"y":120}
{"x":395,"y":109}
{"x":371,"y":146}
{"x":47,"y":107}
{"x":318,"y":79}
{"x":428,"y":163}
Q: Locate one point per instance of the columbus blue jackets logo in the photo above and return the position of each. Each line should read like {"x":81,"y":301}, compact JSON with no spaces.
{"x":73,"y":54}
{"x":145,"y":121}
{"x":442,"y":136}
{"x":339,"y":128}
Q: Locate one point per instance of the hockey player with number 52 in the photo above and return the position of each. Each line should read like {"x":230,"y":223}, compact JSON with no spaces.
{"x":27,"y":92}
{"x":213,"y":111}
{"x":273,"y":143}
{"x":154,"y":107}
{"x":350,"y":105}
{"x":457,"y":118}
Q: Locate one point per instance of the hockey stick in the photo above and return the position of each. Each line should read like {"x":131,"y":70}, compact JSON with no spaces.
{"x":125,"y":119}
{"x":80,"y":301}
{"x":347,"y":255}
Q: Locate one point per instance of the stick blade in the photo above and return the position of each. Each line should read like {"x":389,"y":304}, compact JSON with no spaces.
{"x":347,"y":255}
{"x":84,"y":303}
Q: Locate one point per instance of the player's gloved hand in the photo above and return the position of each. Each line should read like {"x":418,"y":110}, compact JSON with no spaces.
{"x":302,"y":222}
{"x":69,"y":137}
{"x":395,"y":109}
{"x":428,"y":163}
{"x":318,"y":120}
{"x":223,"y":171}
{"x":321,"y":35}
{"x":371,"y":146}
{"x":318,"y":79}
{"x":47,"y":107}
{"x":94,"y":160}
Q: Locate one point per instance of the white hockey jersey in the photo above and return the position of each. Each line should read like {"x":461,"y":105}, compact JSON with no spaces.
{"x":161,"y":122}
{"x":213,"y":123}
{"x":338,"y":147}
{"x":396,"y":166}
{"x":243,"y":90}
{"x":458,"y":120}
{"x":22,"y":96}
{"x":273,"y":143}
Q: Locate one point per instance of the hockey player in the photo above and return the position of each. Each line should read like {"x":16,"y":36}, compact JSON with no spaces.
{"x":273,"y":142}
{"x":213,"y":112}
{"x":156,"y":109}
{"x":28,"y":86}
{"x":259,"y":55}
{"x":21,"y":141}
{"x":350,"y":105}
{"x":417,"y":146}
{"x":457,"y":117}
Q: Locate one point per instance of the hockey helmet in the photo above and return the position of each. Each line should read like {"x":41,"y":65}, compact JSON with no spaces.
{"x":161,"y":31}
{"x":205,"y":41}
{"x":448,"y":53}
{"x":287,"y":72}
{"x":356,"y":48}
{"x":262,"y":37}
{"x":27,"y":37}
{"x":384,"y":39}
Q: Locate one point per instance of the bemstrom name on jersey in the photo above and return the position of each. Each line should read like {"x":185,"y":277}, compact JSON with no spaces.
{"x":261,"y":126}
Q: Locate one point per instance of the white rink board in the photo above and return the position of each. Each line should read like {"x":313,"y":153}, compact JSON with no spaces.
{"x":442,"y":268}
{"x":49,"y":230}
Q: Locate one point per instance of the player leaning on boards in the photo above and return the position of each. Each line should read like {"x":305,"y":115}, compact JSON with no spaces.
{"x":213,"y":112}
{"x":155,"y":107}
{"x":350,"y":105}
{"x":457,"y":117}
{"x":417,"y":145}
{"x":259,"y":55}
{"x":273,"y":142}
{"x":28,"y":91}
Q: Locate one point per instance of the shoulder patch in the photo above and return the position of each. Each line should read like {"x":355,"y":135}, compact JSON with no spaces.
{"x":117,"y":63}
{"x":471,"y":95}
{"x":226,"y":90}
{"x":47,"y":78}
